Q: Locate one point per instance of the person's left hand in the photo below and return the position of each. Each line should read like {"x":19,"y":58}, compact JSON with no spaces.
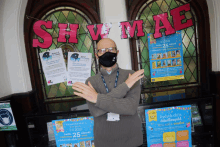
{"x":87,"y":92}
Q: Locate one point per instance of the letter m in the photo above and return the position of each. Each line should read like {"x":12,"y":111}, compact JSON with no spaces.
{"x":131,"y":29}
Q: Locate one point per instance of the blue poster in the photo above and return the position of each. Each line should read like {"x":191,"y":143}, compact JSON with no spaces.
{"x":166,"y":57}
{"x":77,"y":132}
{"x":169,"y":95}
{"x":169,"y":126}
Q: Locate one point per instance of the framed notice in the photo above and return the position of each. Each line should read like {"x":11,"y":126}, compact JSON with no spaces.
{"x":169,"y":126}
{"x":166,"y":57}
{"x":7,"y":121}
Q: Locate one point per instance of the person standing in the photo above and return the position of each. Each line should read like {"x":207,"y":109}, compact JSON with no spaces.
{"x":113,"y":97}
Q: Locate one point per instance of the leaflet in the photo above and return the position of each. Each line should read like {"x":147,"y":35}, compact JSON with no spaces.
{"x":79,"y":67}
{"x":54,"y":66}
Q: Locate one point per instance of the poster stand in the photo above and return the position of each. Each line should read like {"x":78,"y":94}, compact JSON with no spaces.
{"x":37,"y":126}
{"x":203,"y":135}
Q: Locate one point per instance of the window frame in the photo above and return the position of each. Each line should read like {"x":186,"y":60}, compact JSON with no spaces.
{"x":35,"y":10}
{"x":201,"y":11}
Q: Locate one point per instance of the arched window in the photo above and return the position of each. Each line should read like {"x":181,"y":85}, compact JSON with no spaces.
{"x":191,"y":85}
{"x":59,"y":97}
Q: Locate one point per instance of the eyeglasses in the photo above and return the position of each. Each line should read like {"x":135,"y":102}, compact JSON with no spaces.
{"x":110,"y":49}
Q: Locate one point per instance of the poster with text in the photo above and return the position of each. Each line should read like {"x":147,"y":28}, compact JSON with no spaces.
{"x":76,"y":132}
{"x":166,"y":57}
{"x":54,"y":66}
{"x":79,"y":67}
{"x":7,"y":121}
{"x":169,"y":126}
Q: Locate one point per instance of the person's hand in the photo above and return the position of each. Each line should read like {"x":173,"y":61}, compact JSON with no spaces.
{"x":134,"y":77}
{"x":85,"y":91}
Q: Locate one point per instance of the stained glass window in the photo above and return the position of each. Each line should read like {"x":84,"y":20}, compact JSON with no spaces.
{"x":189,"y":41}
{"x":85,"y":44}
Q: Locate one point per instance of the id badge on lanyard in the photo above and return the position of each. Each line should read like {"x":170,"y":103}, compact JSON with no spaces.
{"x":112,"y":116}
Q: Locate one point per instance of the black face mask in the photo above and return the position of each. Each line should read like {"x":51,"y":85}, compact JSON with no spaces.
{"x":108,"y":59}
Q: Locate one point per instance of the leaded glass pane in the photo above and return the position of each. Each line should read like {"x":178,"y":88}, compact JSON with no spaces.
{"x":190,"y":48}
{"x":85,"y":44}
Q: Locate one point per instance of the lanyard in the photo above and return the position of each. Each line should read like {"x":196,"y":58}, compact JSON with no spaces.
{"x":116,"y":80}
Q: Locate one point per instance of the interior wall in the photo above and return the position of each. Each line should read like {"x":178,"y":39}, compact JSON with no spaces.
{"x":214,"y":19}
{"x":114,"y":11}
{"x":5,"y":85}
{"x":16,"y":78}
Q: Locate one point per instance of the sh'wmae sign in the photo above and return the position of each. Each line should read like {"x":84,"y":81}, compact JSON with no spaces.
{"x":103,"y":30}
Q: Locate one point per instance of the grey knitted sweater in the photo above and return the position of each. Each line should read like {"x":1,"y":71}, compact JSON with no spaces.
{"x":121,"y":100}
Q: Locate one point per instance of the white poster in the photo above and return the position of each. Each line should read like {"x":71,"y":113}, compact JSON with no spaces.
{"x":53,"y":66}
{"x":7,"y":121}
{"x":79,"y":67}
{"x":50,"y":131}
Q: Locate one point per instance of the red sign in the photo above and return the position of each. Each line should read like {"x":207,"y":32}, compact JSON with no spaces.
{"x":177,"y":18}
{"x":137,"y":25}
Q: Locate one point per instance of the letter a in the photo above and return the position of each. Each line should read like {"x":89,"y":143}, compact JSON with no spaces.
{"x":166,"y":23}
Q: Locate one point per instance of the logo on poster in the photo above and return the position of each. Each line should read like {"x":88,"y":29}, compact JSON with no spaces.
{"x":75,"y":57}
{"x":70,"y":82}
{"x":50,"y":82}
{"x":47,"y":56}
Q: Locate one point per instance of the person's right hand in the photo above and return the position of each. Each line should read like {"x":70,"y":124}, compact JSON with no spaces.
{"x":134,"y":77}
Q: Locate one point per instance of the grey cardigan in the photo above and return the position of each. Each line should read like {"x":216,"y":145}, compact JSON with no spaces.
{"x":121,"y":100}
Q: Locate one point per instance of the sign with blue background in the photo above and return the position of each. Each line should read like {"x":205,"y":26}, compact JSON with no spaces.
{"x":166,"y":57}
{"x":169,"y":95}
{"x":76,"y":132}
{"x":169,"y":126}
